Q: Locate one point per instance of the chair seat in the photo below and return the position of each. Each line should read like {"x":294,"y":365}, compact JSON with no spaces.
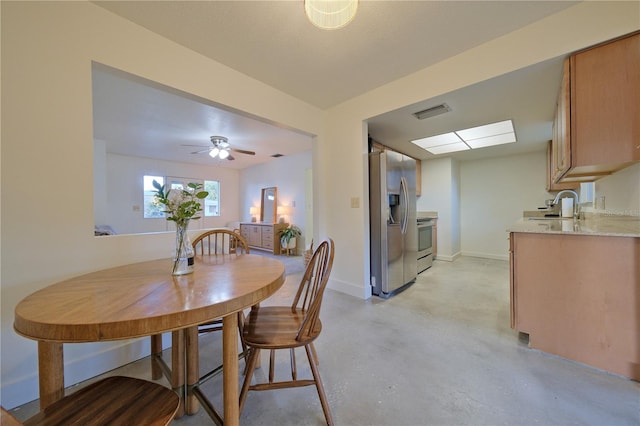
{"x":115,"y":400}
{"x":276,"y":327}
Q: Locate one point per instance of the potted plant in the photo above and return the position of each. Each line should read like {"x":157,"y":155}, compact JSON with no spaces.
{"x":288,"y":236}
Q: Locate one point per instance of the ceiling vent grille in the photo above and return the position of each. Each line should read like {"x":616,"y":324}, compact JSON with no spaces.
{"x":432,"y":112}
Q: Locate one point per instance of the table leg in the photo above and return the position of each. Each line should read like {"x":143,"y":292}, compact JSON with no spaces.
{"x":51,"y":373}
{"x":193,"y":369}
{"x":156,"y":351}
{"x":230,"y":369}
{"x":177,"y":368}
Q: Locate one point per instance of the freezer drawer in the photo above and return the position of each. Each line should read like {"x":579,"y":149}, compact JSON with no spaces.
{"x":425,"y":263}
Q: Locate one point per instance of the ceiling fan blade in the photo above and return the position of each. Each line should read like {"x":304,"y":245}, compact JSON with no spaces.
{"x":242,"y":151}
{"x":202,"y":151}
{"x":230,"y":157}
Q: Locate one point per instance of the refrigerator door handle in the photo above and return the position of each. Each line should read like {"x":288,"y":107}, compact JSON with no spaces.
{"x":405,"y":202}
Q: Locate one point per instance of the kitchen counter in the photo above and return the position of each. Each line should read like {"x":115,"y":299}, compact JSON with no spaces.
{"x":427,"y":215}
{"x":611,"y":226}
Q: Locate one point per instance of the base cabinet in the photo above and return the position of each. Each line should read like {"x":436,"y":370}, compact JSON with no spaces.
{"x":578,"y":296}
{"x":263,"y":236}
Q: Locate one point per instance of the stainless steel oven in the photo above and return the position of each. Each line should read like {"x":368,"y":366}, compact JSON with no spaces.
{"x":425,"y":244}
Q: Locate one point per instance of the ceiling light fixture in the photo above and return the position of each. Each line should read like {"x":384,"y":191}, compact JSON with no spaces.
{"x":472,"y":138}
{"x":330,"y":14}
{"x":220,"y":147}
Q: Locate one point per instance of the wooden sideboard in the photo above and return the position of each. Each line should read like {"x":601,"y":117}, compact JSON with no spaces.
{"x":262,"y":236}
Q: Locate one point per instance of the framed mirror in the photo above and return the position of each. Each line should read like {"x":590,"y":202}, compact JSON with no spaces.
{"x":269,"y":204}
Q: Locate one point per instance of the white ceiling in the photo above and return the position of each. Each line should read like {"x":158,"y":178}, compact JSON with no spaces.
{"x":136,"y":117}
{"x":273,"y":42}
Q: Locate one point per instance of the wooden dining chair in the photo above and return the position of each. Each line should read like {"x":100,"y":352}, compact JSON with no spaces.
{"x":212,"y":242}
{"x":220,"y":241}
{"x":290,"y":327}
{"x":116,"y":400}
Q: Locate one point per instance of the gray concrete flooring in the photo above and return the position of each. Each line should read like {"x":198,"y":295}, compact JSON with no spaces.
{"x":439,"y":353}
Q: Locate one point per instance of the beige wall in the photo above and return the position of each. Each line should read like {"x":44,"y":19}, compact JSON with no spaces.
{"x":494,"y":192}
{"x":47,"y":150}
{"x":47,"y":159}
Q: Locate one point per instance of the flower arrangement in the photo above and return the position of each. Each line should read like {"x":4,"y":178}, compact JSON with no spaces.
{"x":181,"y":206}
{"x":288,"y":233}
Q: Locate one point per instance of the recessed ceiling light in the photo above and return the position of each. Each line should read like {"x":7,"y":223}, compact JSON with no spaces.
{"x":487,"y":130}
{"x":437,"y":140}
{"x":452,"y":147}
{"x":492,"y":140}
{"x":472,"y":138}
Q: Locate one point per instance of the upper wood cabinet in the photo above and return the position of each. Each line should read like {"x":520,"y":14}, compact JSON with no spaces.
{"x":552,"y":185}
{"x":559,"y":149}
{"x":604,"y":134}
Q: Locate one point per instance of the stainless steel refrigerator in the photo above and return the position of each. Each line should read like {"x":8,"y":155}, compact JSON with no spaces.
{"x":392,"y":218}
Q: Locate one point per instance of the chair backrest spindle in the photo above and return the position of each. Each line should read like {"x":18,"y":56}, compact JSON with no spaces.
{"x":220,"y":241}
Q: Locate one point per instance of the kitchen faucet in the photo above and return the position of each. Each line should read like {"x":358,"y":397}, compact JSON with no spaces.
{"x":576,"y":210}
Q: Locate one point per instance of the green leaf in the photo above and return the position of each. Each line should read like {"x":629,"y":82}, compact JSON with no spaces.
{"x":202,"y":194}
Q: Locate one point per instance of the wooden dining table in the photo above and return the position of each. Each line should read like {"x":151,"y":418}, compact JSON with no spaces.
{"x":144,"y":299}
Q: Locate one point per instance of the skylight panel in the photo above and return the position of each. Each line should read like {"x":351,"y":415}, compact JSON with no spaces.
{"x":487,"y":130}
{"x":443,"y":139}
{"x":498,"y":133}
{"x":445,"y":149}
{"x":492,"y":140}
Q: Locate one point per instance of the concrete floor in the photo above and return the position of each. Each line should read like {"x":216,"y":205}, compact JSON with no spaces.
{"x":439,"y":353}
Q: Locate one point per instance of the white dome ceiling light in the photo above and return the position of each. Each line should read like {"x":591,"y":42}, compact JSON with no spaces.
{"x":330,"y":14}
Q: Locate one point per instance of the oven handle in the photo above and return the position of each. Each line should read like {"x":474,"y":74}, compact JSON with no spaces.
{"x":425,"y":223}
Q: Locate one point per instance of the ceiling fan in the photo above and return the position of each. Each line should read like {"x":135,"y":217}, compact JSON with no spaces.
{"x":221,"y":149}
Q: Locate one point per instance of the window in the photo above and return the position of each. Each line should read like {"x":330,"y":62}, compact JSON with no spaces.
{"x":151,"y":209}
{"x":212,"y":202}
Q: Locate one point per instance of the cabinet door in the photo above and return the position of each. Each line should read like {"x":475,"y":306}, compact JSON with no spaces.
{"x":552,"y":185}
{"x":561,"y":142}
{"x":605,"y":111}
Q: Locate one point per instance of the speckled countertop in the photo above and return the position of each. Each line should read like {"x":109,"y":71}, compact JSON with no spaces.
{"x":613,"y":226}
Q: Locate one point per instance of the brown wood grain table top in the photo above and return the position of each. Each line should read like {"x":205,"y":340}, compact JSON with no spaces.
{"x":143,"y":299}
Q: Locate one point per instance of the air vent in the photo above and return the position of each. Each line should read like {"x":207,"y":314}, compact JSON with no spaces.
{"x":432,"y":112}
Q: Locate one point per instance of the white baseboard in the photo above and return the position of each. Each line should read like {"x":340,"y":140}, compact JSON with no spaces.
{"x":347,"y":288}
{"x":447,"y":258}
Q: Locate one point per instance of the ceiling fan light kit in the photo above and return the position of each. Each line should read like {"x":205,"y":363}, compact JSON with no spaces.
{"x":330,"y":14}
{"x":221,"y":149}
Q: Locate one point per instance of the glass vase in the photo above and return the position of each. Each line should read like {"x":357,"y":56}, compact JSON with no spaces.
{"x":183,"y":260}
